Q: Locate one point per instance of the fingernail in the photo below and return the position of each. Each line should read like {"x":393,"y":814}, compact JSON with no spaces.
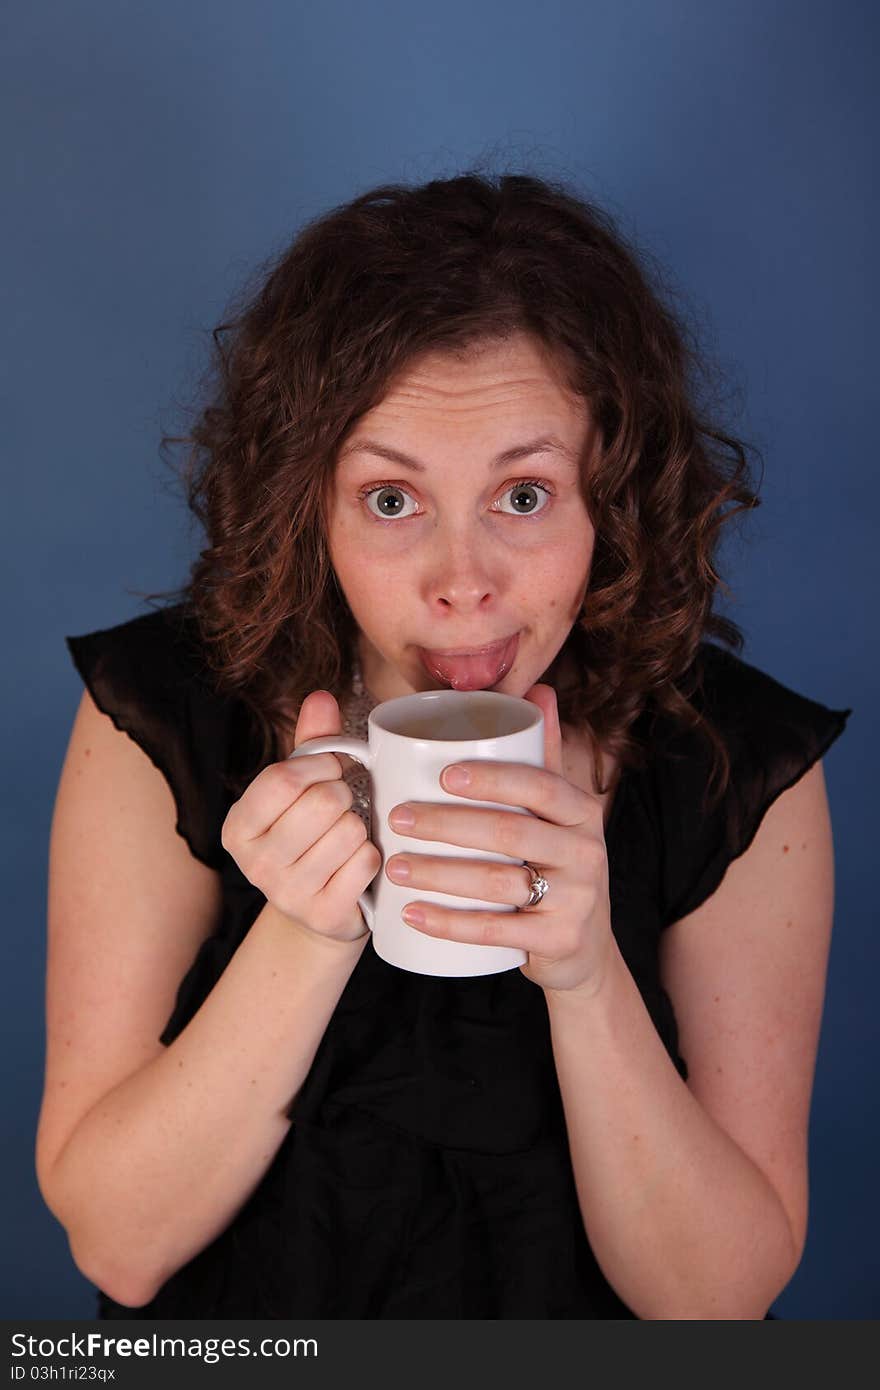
{"x":399,"y":868}
{"x":455,"y":779}
{"x":401,"y":817}
{"x":414,"y":915}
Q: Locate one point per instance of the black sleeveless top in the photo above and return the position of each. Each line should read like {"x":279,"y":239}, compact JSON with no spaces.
{"x":426,"y":1172}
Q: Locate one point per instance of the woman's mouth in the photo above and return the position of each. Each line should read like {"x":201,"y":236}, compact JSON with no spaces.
{"x":475,"y":668}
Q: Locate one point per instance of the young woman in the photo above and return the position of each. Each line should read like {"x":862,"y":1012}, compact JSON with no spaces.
{"x":455,"y":440}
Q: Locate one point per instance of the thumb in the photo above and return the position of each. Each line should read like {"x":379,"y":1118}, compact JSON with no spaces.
{"x":318,"y":717}
{"x":544,"y":696}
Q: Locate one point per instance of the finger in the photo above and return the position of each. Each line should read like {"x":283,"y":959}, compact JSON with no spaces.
{"x":329,"y":852}
{"x":318,"y":717}
{"x":302,"y":825}
{"x":276,"y":789}
{"x":544,"y":696}
{"x":546,"y":794}
{"x":525,"y":931}
{"x":462,"y":878}
{"x":516,"y":834}
{"x":353,"y":878}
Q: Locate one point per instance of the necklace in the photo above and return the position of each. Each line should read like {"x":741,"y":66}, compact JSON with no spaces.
{"x":358,"y":705}
{"x":355,"y":714}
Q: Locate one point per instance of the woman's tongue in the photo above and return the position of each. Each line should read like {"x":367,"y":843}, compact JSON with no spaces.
{"x":471,"y":672}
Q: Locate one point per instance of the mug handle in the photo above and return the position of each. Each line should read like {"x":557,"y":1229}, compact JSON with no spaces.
{"x":359,"y":750}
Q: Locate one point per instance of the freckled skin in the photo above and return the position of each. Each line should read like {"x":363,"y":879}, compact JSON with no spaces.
{"x":461,"y":567}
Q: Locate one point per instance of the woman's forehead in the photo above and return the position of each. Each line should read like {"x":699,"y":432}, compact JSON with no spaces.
{"x":441,"y":391}
{"x":463,"y":369}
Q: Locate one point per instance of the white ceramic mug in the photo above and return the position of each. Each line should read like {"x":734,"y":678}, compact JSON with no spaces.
{"x":410,"y":740}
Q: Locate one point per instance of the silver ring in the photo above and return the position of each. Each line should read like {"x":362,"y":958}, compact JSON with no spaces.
{"x":537,"y":887}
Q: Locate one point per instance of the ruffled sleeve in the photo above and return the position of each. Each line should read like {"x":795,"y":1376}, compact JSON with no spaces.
{"x":147,"y":675}
{"x":772,"y":734}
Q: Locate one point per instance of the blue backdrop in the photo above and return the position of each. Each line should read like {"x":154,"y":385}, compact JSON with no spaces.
{"x":155,"y":154}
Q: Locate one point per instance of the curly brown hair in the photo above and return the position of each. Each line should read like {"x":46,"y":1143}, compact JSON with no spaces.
{"x":360,"y":291}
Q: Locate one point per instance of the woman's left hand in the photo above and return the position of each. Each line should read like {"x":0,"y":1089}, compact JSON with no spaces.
{"x":568,"y":934}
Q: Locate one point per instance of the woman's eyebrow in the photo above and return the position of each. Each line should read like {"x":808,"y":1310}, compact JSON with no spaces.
{"x":545,"y":445}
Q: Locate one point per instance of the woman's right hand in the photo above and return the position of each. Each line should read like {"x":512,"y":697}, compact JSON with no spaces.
{"x":293,"y":834}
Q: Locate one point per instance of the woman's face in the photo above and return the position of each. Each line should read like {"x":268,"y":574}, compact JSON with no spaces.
{"x":448,"y":546}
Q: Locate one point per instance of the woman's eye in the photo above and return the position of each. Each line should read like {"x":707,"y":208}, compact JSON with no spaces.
{"x":389,"y":501}
{"x":525,"y":498}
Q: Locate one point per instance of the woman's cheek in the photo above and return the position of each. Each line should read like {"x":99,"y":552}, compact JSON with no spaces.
{"x":391,"y":539}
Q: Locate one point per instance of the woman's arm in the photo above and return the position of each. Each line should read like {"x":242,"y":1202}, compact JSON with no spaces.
{"x":145,"y":1153}
{"x":694,"y":1195}
{"x":159,"y":1167}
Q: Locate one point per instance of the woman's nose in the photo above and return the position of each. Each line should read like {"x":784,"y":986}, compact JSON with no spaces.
{"x":462,"y":573}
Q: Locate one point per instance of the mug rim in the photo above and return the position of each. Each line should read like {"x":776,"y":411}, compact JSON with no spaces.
{"x":397,"y":703}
